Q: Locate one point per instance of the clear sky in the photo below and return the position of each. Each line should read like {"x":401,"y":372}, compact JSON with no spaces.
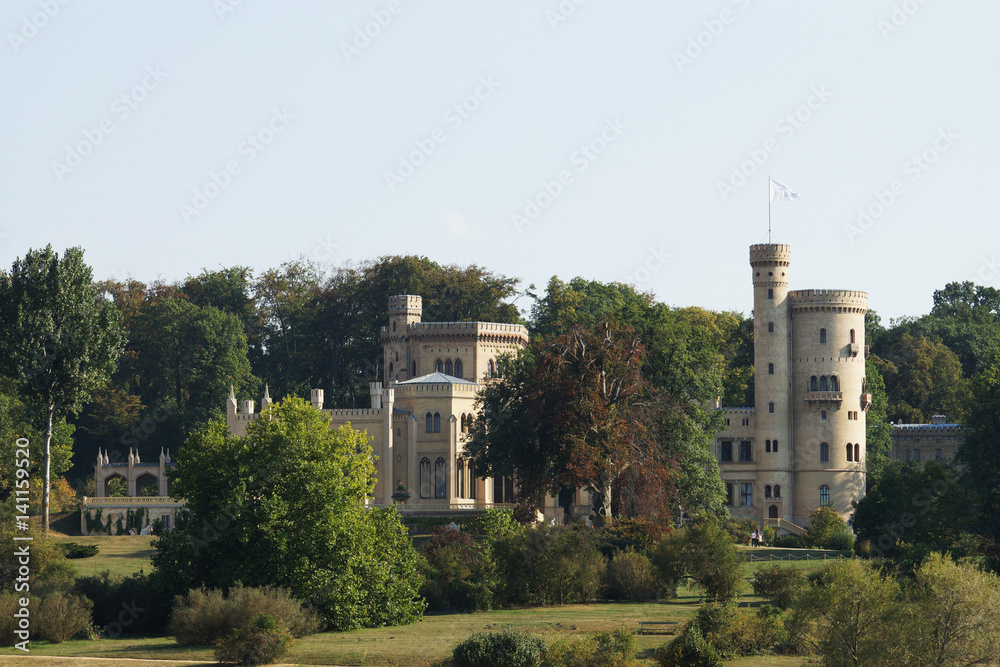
{"x":625,"y":141}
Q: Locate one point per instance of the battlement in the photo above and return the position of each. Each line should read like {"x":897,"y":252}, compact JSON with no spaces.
{"x":402,"y":302}
{"x":737,"y":411}
{"x":823,"y":299}
{"x":470,"y":329}
{"x":770,"y":254}
{"x":469,"y":389}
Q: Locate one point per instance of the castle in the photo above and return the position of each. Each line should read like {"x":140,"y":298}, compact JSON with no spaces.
{"x":803,"y":444}
{"x":421,"y":413}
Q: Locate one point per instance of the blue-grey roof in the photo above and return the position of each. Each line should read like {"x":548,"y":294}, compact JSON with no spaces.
{"x":436,"y":378}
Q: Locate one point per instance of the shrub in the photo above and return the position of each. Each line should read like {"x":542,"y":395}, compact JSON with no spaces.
{"x":630,"y":576}
{"x":735,"y":631}
{"x":614,"y":648}
{"x":125,"y":605}
{"x":60,"y":616}
{"x":548,"y":565}
{"x":824,"y":524}
{"x":206,"y":616}
{"x":791,"y":542}
{"x":8,"y":624}
{"x":704,"y":552}
{"x":689,"y":649}
{"x":74,"y":550}
{"x":565,"y":652}
{"x":458,"y":573}
{"x":840,"y":541}
{"x":740,"y":530}
{"x":769,"y":535}
{"x":262,"y":642}
{"x":506,"y":648}
{"x":494,"y":524}
{"x":778,"y":584}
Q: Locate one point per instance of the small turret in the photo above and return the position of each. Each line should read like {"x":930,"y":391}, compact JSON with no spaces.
{"x":266,"y":402}
{"x":317,"y":399}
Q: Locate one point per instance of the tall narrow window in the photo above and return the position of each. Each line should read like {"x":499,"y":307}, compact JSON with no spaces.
{"x":770,"y":407}
{"x":440,"y":478}
{"x":824,"y":495}
{"x":726,"y":451}
{"x":774,"y":445}
{"x":822,"y":335}
{"x":490,"y":370}
{"x":413,"y":372}
{"x":472,"y":479}
{"x":429,"y":423}
{"x":767,"y":446}
{"x":823,"y":385}
{"x":852,"y":336}
{"x":777,"y":490}
{"x":824,"y":452}
{"x":464,"y":429}
{"x":447,"y":367}
{"x":425,"y":477}
{"x":437,"y":422}
{"x":850,"y":452}
{"x":857,"y":452}
{"x":746,"y":451}
{"x":767,"y":491}
{"x":458,"y":368}
{"x":770,"y":369}
{"x":729,"y":494}
{"x":916,"y":455}
{"x":813,"y":384}
{"x":460,"y":469}
{"x":770,"y":327}
{"x":439,"y":366}
{"x":834,"y":383}
{"x":770,"y":294}
{"x":746,"y":494}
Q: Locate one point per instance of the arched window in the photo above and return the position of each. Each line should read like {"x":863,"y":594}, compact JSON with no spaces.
{"x":147,"y":485}
{"x":460,"y":469}
{"x":824,"y":495}
{"x":822,"y":335}
{"x":770,"y":294}
{"x":440,"y":479}
{"x":772,"y":511}
{"x":437,"y":422}
{"x":777,"y":490}
{"x":770,"y":327}
{"x":425,"y":477}
{"x":390,"y":368}
{"x":834,"y":383}
{"x":850,"y":452}
{"x":767,"y":446}
{"x":852,"y":336}
{"x":813,"y":384}
{"x":429,"y":423}
{"x":774,"y":445}
{"x":463,"y":423}
{"x":438,"y":366}
{"x":824,"y":452}
{"x":472,"y":479}
{"x":447,"y":367}
{"x":413,"y":374}
{"x":770,"y":369}
{"x":458,"y":368}
{"x":857,"y":452}
{"x":823,"y":385}
{"x":393,"y":326}
{"x":490,"y":369}
{"x":770,"y":407}
{"x":767,"y":490}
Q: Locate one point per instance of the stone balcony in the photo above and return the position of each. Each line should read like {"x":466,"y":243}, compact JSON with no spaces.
{"x":824,"y":396}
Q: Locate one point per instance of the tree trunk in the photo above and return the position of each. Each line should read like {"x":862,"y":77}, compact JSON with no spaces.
{"x":603,"y":491}
{"x":46,"y":466}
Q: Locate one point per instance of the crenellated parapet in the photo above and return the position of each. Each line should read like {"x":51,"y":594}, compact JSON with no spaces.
{"x":828,"y":300}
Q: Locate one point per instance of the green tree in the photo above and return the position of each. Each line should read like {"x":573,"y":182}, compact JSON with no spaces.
{"x":852,"y":609}
{"x":957,"y":614}
{"x":923,"y":377}
{"x":284,"y":506}
{"x":824,"y":523}
{"x":61,"y":339}
{"x":878,"y":430}
{"x":704,"y":552}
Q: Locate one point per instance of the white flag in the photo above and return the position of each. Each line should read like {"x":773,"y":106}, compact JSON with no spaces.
{"x":782,"y":191}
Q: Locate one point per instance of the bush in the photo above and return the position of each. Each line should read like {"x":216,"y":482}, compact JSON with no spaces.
{"x":840,"y":541}
{"x":778,"y":584}
{"x":60,"y":616}
{"x":548,"y":565}
{"x":824,"y":525}
{"x":262,"y":642}
{"x":614,"y":648}
{"x":8,"y":624}
{"x":791,"y":542}
{"x":769,"y":535}
{"x":704,"y":552}
{"x":125,"y":605}
{"x":740,"y":530}
{"x":206,"y":616}
{"x":735,"y":631}
{"x":565,"y":652}
{"x":74,"y":550}
{"x":458,"y":573}
{"x":689,"y":649}
{"x":630,"y":576}
{"x":506,"y":648}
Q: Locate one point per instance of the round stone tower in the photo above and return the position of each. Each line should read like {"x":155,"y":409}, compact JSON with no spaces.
{"x":772,"y":447}
{"x":829,"y":399}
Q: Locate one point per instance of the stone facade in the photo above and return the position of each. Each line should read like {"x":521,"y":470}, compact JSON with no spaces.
{"x":937,"y":441}
{"x":142,"y":479}
{"x":803,"y":444}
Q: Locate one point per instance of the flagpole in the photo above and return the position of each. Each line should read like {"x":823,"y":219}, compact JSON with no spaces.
{"x":769,"y":209}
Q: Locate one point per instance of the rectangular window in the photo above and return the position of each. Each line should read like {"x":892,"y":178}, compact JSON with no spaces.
{"x":726,"y":451}
{"x":916,"y":455}
{"x":822,"y":414}
{"x":746,"y":494}
{"x":907,"y":454}
{"x":746,"y":452}
{"x":727,"y":421}
{"x":937,"y":454}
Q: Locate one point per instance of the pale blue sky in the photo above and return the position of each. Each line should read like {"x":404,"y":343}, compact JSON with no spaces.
{"x":198,"y":81}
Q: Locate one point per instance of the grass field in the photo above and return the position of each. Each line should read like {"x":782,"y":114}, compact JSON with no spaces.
{"x":425,"y":643}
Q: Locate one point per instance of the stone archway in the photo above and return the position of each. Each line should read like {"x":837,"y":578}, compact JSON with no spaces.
{"x":147,"y":484}
{"x":121,"y":485}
